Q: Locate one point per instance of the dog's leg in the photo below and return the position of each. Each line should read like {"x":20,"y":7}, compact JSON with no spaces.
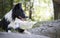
{"x":9,"y":30}
{"x":27,"y":32}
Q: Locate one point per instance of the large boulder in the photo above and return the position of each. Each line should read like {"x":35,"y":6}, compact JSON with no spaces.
{"x":51,"y":29}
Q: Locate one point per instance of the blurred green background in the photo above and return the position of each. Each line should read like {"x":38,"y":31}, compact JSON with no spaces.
{"x":37,"y":10}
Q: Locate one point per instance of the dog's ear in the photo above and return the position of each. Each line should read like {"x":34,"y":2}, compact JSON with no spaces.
{"x":18,"y":6}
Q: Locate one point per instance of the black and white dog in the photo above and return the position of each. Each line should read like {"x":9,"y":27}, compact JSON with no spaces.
{"x":16,"y":12}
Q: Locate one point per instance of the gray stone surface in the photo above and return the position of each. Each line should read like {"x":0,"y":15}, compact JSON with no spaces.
{"x":45,"y":30}
{"x":51,"y":29}
{"x":17,"y":35}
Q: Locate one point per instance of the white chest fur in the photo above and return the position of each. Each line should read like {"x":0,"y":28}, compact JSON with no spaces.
{"x":24,"y":24}
{"x":8,"y":16}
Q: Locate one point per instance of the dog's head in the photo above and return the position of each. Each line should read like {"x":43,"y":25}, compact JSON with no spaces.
{"x":18,"y":11}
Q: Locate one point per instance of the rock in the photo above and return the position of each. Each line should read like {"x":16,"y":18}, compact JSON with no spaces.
{"x":45,"y":30}
{"x":18,"y":35}
{"x":51,"y":29}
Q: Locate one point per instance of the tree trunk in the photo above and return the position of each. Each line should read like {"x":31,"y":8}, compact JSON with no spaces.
{"x":56,"y":11}
{"x":5,"y":6}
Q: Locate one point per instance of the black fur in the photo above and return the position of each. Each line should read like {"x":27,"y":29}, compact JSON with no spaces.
{"x":4,"y":24}
{"x":20,"y":30}
{"x":16,"y":12}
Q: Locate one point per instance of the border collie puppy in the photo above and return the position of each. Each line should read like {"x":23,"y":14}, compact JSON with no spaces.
{"x":16,"y":12}
{"x":21,"y":24}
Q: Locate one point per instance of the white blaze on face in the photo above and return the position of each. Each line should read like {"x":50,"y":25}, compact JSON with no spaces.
{"x":8,"y":16}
